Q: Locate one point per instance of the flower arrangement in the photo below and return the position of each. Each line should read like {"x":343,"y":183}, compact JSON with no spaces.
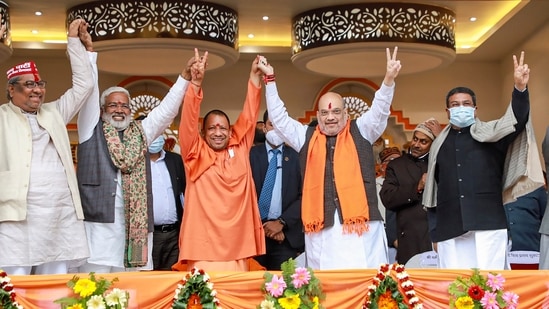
{"x":91,"y":293}
{"x":478,"y":292}
{"x":387,"y":292}
{"x":7,"y":295}
{"x":195,"y":291}
{"x":296,"y":288}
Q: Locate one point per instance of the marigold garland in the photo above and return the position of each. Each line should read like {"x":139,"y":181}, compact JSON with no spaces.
{"x":7,"y":294}
{"x":195,"y":285}
{"x":388,"y":293}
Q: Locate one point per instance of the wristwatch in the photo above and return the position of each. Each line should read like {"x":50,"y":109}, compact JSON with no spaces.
{"x":282,"y":221}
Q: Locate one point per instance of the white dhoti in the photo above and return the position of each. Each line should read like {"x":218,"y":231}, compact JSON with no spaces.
{"x":486,"y":250}
{"x":107,"y":241}
{"x":331,"y":248}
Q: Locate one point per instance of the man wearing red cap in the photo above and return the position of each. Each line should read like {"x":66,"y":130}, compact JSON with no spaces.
{"x":41,"y":218}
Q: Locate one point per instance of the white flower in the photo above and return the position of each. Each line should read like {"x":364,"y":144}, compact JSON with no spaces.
{"x":210,"y":285}
{"x":401,"y":275}
{"x":267,"y":304}
{"x":206,"y":278}
{"x":213,"y":293}
{"x":96,"y":302}
{"x":407,"y":283}
{"x":177,"y":291}
{"x":414,"y":300}
{"x":115,"y":297}
{"x":410,"y":293}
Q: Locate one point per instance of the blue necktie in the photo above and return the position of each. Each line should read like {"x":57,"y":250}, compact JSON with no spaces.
{"x":268,"y":184}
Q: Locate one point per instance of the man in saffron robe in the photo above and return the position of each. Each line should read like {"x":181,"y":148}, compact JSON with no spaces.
{"x":221,"y":223}
{"x":339,"y":201}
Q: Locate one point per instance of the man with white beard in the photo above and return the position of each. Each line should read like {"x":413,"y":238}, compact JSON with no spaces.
{"x":114,"y":175}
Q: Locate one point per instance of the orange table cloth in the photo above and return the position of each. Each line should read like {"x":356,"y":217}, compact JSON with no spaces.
{"x":241,"y":290}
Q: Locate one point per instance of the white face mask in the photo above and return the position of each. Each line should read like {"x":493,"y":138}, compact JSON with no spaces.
{"x":273,"y":138}
{"x":462,"y":116}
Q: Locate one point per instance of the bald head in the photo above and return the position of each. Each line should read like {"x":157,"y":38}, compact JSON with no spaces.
{"x":332,"y":115}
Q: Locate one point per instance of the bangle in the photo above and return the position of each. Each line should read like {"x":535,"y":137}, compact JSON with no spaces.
{"x":197,"y":85}
{"x":268,"y":78}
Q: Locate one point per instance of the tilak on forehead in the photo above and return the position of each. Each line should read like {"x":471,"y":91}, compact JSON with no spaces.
{"x":330,"y":105}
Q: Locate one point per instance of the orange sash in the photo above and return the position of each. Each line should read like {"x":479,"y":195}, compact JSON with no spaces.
{"x":348,"y":181}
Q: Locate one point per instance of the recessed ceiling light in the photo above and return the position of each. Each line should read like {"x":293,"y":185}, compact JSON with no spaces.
{"x":466,"y":46}
{"x":251,"y":36}
{"x":38,"y":13}
{"x":34,"y":31}
{"x":473,"y":19}
{"x":265,"y":17}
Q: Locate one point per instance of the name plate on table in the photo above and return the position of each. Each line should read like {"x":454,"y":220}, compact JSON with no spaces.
{"x":523,"y":257}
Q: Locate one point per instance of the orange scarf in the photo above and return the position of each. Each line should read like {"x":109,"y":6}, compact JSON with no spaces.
{"x":348,"y":181}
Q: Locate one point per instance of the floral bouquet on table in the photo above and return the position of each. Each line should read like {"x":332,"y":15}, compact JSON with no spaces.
{"x":478,"y":292}
{"x":392,"y":289}
{"x":91,"y":293}
{"x":296,"y":288}
{"x":195,"y":292}
{"x":7,"y":295}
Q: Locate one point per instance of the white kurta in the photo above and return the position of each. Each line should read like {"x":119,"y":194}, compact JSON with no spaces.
{"x":50,"y":208}
{"x":331,"y":248}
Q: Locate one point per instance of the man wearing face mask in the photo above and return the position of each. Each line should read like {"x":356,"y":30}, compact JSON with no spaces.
{"x":281,"y":214}
{"x":168,"y":187}
{"x":471,"y":164}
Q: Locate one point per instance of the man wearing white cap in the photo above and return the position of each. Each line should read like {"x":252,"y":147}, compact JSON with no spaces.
{"x":403,"y":189}
{"x":41,"y":214}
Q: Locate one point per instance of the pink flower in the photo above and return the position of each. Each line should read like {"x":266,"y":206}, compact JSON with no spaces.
{"x":489,"y":301}
{"x":495,"y":281}
{"x":300,"y":277}
{"x":511,"y":299}
{"x":276,"y":286}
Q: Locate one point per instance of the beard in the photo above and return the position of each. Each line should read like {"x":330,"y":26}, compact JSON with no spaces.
{"x":117,"y":124}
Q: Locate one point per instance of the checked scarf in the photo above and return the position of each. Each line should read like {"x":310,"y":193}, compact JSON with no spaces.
{"x":129,"y":156}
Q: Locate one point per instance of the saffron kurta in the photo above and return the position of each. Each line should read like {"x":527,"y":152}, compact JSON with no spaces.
{"x":221,"y":221}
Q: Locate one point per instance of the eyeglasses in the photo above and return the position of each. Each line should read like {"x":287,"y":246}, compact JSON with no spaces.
{"x":114,"y":105}
{"x":30,"y":84}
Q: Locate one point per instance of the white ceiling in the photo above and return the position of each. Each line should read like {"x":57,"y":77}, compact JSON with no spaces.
{"x":496,"y":41}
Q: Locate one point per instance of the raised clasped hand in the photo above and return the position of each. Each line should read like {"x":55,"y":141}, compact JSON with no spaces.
{"x":264,"y":66}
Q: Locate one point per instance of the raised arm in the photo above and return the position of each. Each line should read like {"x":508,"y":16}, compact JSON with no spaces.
{"x":292,"y":131}
{"x":244,"y":127}
{"x":162,"y":116}
{"x":188,"y":126}
{"x":90,"y":111}
{"x":82,"y":77}
{"x":372,"y":123}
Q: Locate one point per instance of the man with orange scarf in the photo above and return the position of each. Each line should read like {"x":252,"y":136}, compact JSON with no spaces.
{"x":345,"y":215}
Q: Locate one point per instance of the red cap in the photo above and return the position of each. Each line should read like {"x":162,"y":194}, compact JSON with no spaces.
{"x":28,"y":67}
